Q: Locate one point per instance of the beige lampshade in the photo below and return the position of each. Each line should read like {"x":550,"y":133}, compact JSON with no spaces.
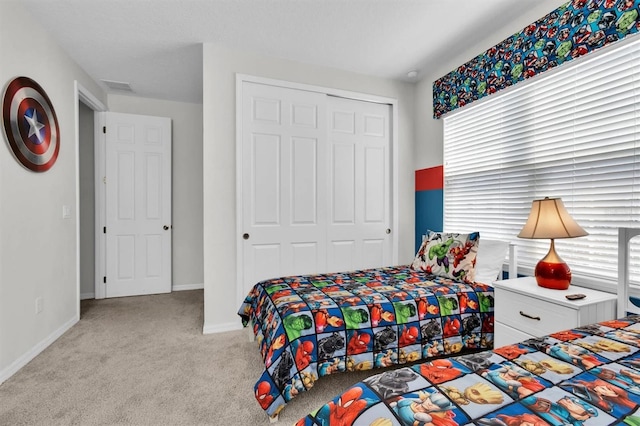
{"x":549,"y":218}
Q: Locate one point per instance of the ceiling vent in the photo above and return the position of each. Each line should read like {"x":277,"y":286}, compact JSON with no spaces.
{"x":118,"y":85}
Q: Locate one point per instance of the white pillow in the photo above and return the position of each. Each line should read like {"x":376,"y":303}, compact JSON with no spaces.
{"x":489,"y":260}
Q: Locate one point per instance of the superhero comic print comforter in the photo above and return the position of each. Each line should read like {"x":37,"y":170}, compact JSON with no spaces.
{"x":314,"y":325}
{"x":586,"y":376}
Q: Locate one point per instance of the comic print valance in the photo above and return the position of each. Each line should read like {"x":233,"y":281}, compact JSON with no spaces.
{"x":574,"y":29}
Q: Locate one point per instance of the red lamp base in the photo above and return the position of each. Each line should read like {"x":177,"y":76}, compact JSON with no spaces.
{"x":553,"y":275}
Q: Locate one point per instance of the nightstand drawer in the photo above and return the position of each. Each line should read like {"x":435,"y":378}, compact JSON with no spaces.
{"x":505,"y":335}
{"x":533,"y":316}
{"x":521,"y":306}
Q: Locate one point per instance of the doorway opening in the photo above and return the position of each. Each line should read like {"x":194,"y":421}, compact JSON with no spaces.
{"x":87,"y":106}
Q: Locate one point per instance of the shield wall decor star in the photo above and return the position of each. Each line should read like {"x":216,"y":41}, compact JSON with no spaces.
{"x":30,"y":124}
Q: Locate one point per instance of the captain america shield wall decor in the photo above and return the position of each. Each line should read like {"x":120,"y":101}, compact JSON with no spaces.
{"x":30,"y":124}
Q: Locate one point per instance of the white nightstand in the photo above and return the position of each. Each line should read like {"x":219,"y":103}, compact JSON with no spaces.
{"x":523,"y":309}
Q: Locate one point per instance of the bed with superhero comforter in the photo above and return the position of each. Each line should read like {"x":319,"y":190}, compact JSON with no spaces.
{"x":586,"y":376}
{"x":314,"y":325}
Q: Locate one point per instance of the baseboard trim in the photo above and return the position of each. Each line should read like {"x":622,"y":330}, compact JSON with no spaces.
{"x":183,"y":287}
{"x":179,"y":287}
{"x":36,"y":350}
{"x":221,"y":328}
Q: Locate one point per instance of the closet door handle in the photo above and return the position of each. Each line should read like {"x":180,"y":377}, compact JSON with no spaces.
{"x":529,"y":316}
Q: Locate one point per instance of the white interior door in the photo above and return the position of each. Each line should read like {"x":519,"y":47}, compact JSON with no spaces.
{"x":282,"y":182}
{"x":359,"y":222}
{"x":315,"y":183}
{"x":138,"y":205}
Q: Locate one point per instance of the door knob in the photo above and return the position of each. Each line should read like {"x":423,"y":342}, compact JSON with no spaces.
{"x":388,"y":231}
{"x":165,"y":227}
{"x":245,"y":236}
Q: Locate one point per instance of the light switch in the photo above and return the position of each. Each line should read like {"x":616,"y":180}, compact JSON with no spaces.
{"x":66,"y":212}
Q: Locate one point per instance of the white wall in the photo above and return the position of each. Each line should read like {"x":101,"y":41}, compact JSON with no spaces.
{"x":37,"y":247}
{"x":219,"y":155}
{"x":187,"y":164}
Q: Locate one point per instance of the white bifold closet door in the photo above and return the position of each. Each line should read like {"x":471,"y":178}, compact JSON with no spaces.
{"x":315,"y":183}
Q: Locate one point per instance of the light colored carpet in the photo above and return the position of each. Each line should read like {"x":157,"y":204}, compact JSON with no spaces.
{"x":144,"y":361}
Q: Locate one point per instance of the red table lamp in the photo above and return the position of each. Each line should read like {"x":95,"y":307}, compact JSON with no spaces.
{"x":549,"y":219}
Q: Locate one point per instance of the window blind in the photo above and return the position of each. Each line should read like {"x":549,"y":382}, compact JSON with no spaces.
{"x":573,"y":133}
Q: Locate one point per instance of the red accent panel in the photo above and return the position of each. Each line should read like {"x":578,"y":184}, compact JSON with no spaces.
{"x":428,"y":179}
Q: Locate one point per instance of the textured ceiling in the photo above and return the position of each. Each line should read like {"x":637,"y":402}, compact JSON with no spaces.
{"x":155,"y":45}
